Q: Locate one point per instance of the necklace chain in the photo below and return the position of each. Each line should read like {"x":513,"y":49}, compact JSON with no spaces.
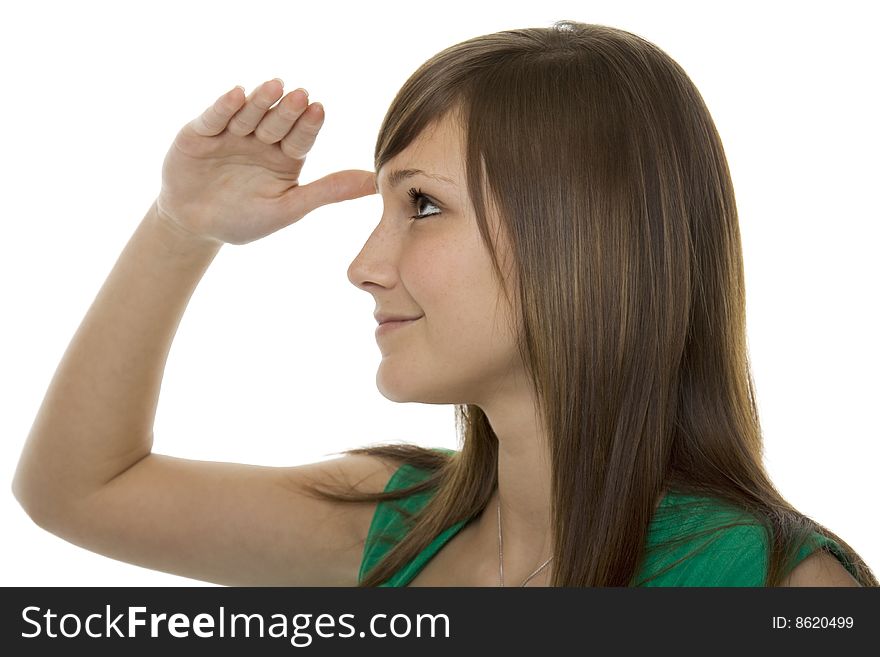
{"x":501,"y":554}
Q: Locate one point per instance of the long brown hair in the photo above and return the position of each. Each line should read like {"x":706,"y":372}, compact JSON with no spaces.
{"x":607,"y":171}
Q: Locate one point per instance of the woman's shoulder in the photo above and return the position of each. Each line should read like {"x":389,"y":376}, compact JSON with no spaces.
{"x":692,"y":540}
{"x":390,"y":519}
{"x":408,"y":474}
{"x":702,"y":541}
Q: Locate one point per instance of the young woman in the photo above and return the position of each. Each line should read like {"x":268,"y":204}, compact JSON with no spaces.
{"x":558,"y":256}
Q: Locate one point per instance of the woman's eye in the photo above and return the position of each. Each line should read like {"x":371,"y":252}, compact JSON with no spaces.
{"x":416,"y":198}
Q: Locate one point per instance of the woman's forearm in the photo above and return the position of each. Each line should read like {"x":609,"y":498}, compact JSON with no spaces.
{"x":96,"y":419}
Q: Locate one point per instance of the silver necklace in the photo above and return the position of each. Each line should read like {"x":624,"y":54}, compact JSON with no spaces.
{"x":501,"y":554}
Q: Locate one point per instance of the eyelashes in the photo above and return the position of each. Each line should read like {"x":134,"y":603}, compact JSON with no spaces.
{"x":416,"y":197}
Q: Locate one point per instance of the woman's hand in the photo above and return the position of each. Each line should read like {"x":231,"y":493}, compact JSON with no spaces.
{"x":232,"y":173}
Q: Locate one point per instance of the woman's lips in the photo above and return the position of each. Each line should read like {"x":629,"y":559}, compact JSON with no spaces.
{"x":387,"y":327}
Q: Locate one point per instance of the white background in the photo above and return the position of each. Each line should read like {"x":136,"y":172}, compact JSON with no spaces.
{"x":94,"y":93}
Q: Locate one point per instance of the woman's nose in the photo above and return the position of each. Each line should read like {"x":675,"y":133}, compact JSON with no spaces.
{"x":375,"y":263}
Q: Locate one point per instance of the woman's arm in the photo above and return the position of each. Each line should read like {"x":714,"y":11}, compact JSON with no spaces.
{"x":96,"y":419}
{"x":87,"y":472}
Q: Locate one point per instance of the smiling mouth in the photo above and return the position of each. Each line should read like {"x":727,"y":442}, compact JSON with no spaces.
{"x":385,"y":327}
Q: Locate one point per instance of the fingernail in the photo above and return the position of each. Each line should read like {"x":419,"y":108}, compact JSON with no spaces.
{"x":280,"y":80}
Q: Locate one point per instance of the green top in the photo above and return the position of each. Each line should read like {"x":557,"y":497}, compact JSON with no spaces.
{"x":728,"y":556}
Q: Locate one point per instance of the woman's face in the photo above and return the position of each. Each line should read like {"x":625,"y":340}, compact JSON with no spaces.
{"x":461,"y":349}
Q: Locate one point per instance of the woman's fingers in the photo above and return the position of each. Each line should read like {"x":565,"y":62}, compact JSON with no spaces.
{"x":300,"y":140}
{"x":278,"y":121}
{"x":213,"y":120}
{"x":292,"y":122}
{"x":258,"y":103}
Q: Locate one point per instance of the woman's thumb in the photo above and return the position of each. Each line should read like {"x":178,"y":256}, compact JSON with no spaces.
{"x":333,"y":188}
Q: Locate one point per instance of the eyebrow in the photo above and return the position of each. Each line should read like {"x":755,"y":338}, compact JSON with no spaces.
{"x":398,"y":176}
